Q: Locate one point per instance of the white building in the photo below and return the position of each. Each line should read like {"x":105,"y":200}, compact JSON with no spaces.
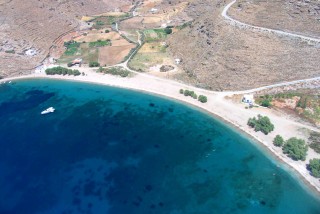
{"x":178,"y":61}
{"x":153,"y":10}
{"x":31,"y":52}
{"x":248,"y":98}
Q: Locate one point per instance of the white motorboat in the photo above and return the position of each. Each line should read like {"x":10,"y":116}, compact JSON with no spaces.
{"x":48,"y":110}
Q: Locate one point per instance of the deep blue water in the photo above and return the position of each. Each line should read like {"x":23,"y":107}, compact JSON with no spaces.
{"x":109,"y":150}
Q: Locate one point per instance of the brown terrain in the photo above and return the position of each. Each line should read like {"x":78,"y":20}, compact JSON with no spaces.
{"x":301,"y":16}
{"x":35,"y":26}
{"x":219,"y":56}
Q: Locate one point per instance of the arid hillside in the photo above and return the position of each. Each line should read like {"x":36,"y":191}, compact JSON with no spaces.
{"x":301,"y":16}
{"x":29,"y":28}
{"x":219,"y":56}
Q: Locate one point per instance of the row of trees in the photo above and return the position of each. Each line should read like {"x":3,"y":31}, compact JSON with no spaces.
{"x":117,"y":71}
{"x":201,"y":98}
{"x":297,"y":149}
{"x":294,"y":148}
{"x":62,"y":71}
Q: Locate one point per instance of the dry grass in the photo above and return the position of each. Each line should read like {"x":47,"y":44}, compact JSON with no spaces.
{"x":94,"y":36}
{"x":114,"y":54}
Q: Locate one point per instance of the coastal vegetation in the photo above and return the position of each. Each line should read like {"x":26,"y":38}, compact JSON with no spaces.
{"x":62,"y":71}
{"x":304,"y":102}
{"x":314,"y":167}
{"x":295,"y":148}
{"x":278,"y":141}
{"x":117,"y":71}
{"x":201,"y":98}
{"x":314,"y":140}
{"x":94,"y":64}
{"x":262,"y":123}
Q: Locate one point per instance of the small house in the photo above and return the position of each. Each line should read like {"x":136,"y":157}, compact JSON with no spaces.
{"x":248,"y":98}
{"x":77,"y":61}
{"x":31,"y":52}
{"x":153,"y":10}
{"x":178,"y":61}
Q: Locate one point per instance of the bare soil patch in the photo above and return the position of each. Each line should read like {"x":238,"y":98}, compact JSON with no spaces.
{"x":114,"y":54}
{"x":92,"y":36}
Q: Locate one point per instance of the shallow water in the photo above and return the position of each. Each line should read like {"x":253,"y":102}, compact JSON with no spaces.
{"x":109,"y":150}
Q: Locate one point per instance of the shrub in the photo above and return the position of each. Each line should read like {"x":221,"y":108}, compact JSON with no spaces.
{"x":278,"y":141}
{"x":194,"y":96}
{"x":262,"y":124}
{"x":69,"y":64}
{"x":295,"y":149}
{"x":168,"y":30}
{"x":94,"y":64}
{"x":314,"y":167}
{"x":188,"y":93}
{"x":107,"y":31}
{"x":10,"y":51}
{"x":202,"y":99}
{"x":314,"y":140}
{"x":266,"y":103}
{"x":181,"y":91}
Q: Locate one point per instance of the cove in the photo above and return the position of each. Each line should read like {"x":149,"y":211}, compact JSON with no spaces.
{"x":111,"y":150}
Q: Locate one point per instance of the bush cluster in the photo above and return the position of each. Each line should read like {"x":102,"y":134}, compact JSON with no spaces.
{"x":295,"y":148}
{"x":62,"y":71}
{"x":118,"y":71}
{"x":192,"y":94}
{"x":94,"y":64}
{"x":262,"y":123}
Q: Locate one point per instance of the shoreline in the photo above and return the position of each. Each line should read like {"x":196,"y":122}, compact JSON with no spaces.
{"x":231,"y":114}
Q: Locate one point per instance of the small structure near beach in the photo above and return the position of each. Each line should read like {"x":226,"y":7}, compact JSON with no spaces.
{"x":248,"y":98}
{"x":77,"y":61}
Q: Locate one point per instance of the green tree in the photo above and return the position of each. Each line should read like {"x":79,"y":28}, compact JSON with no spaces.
{"x":278,"y":141}
{"x":181,"y":91}
{"x":202,"y":98}
{"x":262,"y":124}
{"x":295,"y":148}
{"x":314,"y":167}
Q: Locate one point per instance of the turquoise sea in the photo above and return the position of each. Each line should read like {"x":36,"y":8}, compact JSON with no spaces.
{"x":110,"y":150}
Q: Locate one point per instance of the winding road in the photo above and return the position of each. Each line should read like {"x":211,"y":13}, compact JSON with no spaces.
{"x":263,"y":29}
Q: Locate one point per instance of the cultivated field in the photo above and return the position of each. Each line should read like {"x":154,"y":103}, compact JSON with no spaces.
{"x":114,"y":54}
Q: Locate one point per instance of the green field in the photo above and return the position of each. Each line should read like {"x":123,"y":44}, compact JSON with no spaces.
{"x":106,"y":21}
{"x":153,"y":35}
{"x":82,"y":50}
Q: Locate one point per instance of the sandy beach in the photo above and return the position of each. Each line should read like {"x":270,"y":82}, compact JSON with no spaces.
{"x":217,"y":105}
